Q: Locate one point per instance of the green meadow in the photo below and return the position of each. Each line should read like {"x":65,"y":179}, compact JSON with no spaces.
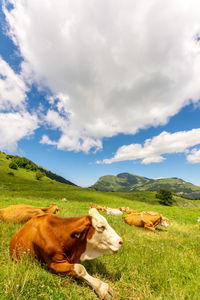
{"x":160,"y":265}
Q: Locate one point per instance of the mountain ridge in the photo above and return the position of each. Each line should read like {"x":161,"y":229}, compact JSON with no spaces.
{"x":127,"y":182}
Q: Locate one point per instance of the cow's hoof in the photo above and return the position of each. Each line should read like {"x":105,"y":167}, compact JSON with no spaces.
{"x":110,"y":294}
{"x":105,"y":292}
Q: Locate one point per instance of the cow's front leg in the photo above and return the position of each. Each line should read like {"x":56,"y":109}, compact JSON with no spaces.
{"x":149,"y":227}
{"x":63,"y":268}
{"x":102,"y":289}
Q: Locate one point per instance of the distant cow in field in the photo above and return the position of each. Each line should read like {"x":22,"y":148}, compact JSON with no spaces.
{"x":108,"y":210}
{"x":21,"y":213}
{"x":114,"y":211}
{"x":118,"y":211}
{"x":98,"y":207}
{"x":198,"y":220}
{"x":148,"y":220}
{"x":128,"y":210}
{"x":62,"y":243}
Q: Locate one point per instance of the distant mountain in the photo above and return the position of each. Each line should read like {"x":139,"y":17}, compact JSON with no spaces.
{"x":29,"y":166}
{"x":123,"y":182}
{"x":126,"y":182}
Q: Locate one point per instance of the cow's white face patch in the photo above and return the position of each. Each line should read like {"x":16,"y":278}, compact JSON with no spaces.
{"x":104,"y":239}
{"x":164,"y":223}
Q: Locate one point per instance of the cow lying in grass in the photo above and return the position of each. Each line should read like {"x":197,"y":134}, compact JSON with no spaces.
{"x":98,"y":207}
{"x":128,"y":210}
{"x":21,"y":213}
{"x":148,"y":220}
{"x":113,"y":211}
{"x":62,"y":243}
{"x":108,"y":210}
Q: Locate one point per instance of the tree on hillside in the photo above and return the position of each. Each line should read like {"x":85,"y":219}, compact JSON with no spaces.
{"x":39,"y":174}
{"x":165,"y":197}
{"x":23,"y":162}
{"x":13,"y":165}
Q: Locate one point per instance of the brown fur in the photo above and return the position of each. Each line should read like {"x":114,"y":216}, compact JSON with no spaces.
{"x":21,"y":213}
{"x":128,"y":210}
{"x":147,"y":220}
{"x":98,"y":207}
{"x":58,"y":242}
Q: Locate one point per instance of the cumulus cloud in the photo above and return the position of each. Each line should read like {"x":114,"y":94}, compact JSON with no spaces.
{"x":14,"y":127}
{"x":71,"y":138}
{"x":194,"y":157}
{"x":12,"y":88}
{"x":165,"y":143}
{"x":111,"y":66}
{"x":15,"y":122}
{"x":46,"y":140}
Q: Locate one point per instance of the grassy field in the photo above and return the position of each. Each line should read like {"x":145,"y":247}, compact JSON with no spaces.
{"x":160,"y":265}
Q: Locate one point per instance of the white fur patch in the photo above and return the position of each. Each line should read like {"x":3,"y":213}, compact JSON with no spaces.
{"x":164,"y":224}
{"x":104,"y":239}
{"x":102,"y":289}
{"x":114,"y":211}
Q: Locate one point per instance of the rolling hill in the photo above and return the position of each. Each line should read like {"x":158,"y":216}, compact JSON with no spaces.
{"x":126,"y":182}
{"x":29,"y":166}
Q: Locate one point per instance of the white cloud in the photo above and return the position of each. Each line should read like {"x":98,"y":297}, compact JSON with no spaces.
{"x":115,"y":67}
{"x":194,"y":157}
{"x":70,"y":139}
{"x":15,"y":122}
{"x":46,"y":140}
{"x":12,"y":88}
{"x":165,"y":143}
{"x":14,"y":127}
{"x":54,"y":120}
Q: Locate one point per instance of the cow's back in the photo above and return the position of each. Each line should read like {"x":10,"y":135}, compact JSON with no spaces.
{"x":45,"y":235}
{"x":26,"y":237}
{"x":134,"y":219}
{"x":143,"y":219}
{"x":19,"y":213}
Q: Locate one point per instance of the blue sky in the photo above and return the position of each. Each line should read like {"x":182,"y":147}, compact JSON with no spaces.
{"x":90,"y":89}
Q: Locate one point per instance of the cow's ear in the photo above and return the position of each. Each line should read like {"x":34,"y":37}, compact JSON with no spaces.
{"x":93,"y":212}
{"x":80,"y":231}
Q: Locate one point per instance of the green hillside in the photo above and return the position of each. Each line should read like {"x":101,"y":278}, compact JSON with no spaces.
{"x":123,"y":182}
{"x":126,"y":182}
{"x":29,"y":166}
{"x":142,"y":269}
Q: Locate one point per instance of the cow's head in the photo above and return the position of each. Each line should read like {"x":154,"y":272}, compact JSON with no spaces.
{"x":54,"y":208}
{"x":164,"y":222}
{"x":103,"y":239}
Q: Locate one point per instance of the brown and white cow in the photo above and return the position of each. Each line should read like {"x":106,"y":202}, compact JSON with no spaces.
{"x":148,"y":220}
{"x":98,"y":207}
{"x":128,"y":210}
{"x":21,"y":213}
{"x":108,"y":210}
{"x":114,"y":211}
{"x":62,"y":243}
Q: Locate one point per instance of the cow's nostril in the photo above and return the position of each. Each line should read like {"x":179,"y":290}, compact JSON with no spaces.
{"x":120,"y":242}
